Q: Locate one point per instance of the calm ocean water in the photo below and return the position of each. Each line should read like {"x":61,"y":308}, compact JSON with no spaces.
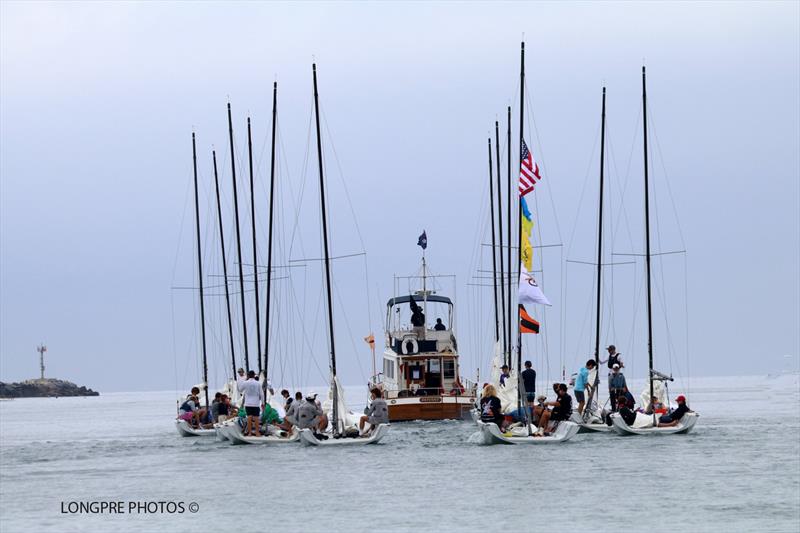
{"x":739,"y":471}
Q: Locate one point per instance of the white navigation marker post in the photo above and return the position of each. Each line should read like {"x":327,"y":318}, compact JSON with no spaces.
{"x":41,"y":349}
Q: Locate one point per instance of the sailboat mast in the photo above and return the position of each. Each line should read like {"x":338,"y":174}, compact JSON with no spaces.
{"x":199,"y":269}
{"x":271,"y":217}
{"x":600,"y":242}
{"x":255,"y":256}
{"x":647,"y":237}
{"x":328,"y":289}
{"x":499,"y":250}
{"x":494,"y":250}
{"x":510,"y":272}
{"x":238,"y":237}
{"x":224,"y":264}
{"x":519,"y":218}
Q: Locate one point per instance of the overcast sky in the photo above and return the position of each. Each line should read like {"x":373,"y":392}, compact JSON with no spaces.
{"x":98,"y":102}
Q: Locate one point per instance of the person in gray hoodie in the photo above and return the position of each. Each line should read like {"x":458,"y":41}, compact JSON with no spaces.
{"x":309,"y":414}
{"x":378,"y":412}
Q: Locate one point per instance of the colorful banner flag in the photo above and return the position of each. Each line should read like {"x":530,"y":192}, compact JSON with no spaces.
{"x":527,"y":324}
{"x":528,"y":171}
{"x":529,"y":291}
{"x":527,"y":227}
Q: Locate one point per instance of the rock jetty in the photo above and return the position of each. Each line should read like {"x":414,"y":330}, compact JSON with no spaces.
{"x":43,"y":388}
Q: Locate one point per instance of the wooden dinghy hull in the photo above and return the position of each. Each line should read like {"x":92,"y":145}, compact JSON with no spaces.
{"x":491,"y":435}
{"x":307,"y":437}
{"x":685,"y":426}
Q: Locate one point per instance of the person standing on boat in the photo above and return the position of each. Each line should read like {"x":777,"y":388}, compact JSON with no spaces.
{"x":378,"y":412}
{"x":505,"y":373}
{"x":581,"y":381}
{"x":529,"y":381}
{"x":417,"y":318}
{"x":616,"y":386}
{"x":673,"y":418}
{"x":614,"y":358}
{"x":253,"y":399}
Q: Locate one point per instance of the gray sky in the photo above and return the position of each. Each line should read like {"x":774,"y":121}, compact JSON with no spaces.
{"x":98,"y":101}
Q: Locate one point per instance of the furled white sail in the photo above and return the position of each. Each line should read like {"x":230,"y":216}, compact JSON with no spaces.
{"x":659,"y":391}
{"x":506,"y":393}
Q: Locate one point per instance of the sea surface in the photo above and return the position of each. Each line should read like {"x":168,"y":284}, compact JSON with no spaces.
{"x":738,"y":471}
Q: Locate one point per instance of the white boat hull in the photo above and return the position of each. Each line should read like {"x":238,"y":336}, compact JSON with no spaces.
{"x":685,"y":425}
{"x":594,"y":425}
{"x":186,"y":430}
{"x":491,"y":434}
{"x":307,"y":437}
{"x":234,"y":434}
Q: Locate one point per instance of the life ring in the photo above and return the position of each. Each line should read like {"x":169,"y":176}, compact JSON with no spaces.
{"x":414,"y":346}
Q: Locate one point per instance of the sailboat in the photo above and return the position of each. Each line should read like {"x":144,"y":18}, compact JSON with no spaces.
{"x":529,"y":291}
{"x":233,"y":430}
{"x":648,"y":424}
{"x":184,"y":428}
{"x":340,"y":421}
{"x":592,"y":417}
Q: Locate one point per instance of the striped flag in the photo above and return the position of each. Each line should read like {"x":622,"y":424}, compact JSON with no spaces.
{"x":527,"y":324}
{"x":528,"y":171}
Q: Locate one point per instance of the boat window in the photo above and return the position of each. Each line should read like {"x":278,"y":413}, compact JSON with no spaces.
{"x":433,"y":366}
{"x":449,"y":369}
{"x":388,"y":368}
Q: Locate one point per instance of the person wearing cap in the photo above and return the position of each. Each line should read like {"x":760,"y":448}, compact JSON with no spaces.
{"x":675,"y":416}
{"x":253,"y":399}
{"x":581,"y":381}
{"x":310,"y":415}
{"x":613,"y":358}
{"x":504,"y":375}
{"x":616,"y":385}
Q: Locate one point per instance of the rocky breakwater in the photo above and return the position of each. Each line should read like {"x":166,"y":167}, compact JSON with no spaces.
{"x":43,"y":388}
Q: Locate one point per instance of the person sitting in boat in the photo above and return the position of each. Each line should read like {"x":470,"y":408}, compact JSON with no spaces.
{"x":191,"y":411}
{"x":616,"y":385}
{"x":581,"y":381}
{"x":505,"y":373}
{"x":287,"y":399}
{"x":491,"y":410}
{"x":562,"y":409}
{"x":673,"y":418}
{"x":631,"y":401}
{"x":378,"y":413}
{"x":270,"y":417}
{"x":224,"y":408}
{"x":215,"y":406}
{"x":310,"y":415}
{"x":439,"y":326}
{"x":253,"y":399}
{"x":625,"y":409}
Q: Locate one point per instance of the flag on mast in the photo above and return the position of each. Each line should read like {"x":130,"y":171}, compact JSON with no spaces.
{"x":527,"y":324}
{"x":529,"y":291}
{"x":528,"y":171}
{"x":423,"y":240}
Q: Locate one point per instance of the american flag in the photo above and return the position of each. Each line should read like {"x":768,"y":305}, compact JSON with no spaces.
{"x":528,"y":171}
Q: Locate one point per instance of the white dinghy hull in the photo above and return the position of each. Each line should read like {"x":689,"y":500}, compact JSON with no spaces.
{"x":593,"y":425}
{"x":491,"y":434}
{"x":186,"y":430}
{"x":685,"y":425}
{"x":307,"y":437}
{"x":236,"y":437}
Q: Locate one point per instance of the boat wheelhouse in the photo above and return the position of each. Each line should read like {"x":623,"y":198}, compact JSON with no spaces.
{"x":420,"y":374}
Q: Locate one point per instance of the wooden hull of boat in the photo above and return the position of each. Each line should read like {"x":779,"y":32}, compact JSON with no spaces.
{"x":186,"y":430}
{"x":430,"y":408}
{"x":307,"y":437}
{"x":491,"y":435}
{"x":686,"y":425}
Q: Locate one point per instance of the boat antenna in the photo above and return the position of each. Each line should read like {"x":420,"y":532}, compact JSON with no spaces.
{"x":519,"y":228}
{"x":269,"y":238}
{"x":199,"y":272}
{"x":238,"y":237}
{"x":494,"y":249}
{"x":647,"y":240}
{"x":224,"y":264}
{"x":327,"y":256}
{"x":599,"y":250}
{"x":255,"y":257}
{"x":508,"y":252}
{"x":500,"y":238}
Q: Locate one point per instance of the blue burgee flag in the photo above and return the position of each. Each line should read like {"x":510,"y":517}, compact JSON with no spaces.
{"x":423,"y":240}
